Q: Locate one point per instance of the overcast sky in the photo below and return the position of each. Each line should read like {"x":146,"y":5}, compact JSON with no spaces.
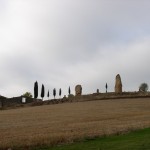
{"x":62,"y":43}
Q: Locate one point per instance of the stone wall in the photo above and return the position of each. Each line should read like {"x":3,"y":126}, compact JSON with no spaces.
{"x":17,"y":101}
{"x":111,"y":95}
{"x":9,"y":102}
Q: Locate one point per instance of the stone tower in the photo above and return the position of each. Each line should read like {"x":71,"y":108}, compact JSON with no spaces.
{"x":118,"y":84}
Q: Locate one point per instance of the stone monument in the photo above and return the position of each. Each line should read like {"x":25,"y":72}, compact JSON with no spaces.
{"x":118,"y":84}
{"x":78,"y":90}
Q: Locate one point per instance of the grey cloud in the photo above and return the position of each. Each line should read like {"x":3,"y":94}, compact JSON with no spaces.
{"x":64,"y":43}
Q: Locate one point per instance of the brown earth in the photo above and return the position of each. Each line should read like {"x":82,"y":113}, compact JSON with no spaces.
{"x":53,"y":124}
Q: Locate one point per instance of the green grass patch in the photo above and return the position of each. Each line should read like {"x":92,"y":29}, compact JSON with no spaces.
{"x":136,"y":140}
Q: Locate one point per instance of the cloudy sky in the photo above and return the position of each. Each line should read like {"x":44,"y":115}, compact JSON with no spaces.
{"x":62,"y":43}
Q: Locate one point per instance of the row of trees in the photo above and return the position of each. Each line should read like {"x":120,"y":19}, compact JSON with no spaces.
{"x":48,"y":94}
{"x":143,"y":87}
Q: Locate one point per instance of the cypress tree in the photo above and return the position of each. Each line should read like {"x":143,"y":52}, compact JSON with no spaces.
{"x":69,"y":91}
{"x":42,"y":91}
{"x":48,"y":94}
{"x":60,"y":92}
{"x":36,"y":89}
{"x":54,"y":92}
{"x":106,"y":86}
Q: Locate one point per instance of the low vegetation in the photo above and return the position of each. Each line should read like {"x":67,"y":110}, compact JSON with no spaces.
{"x":137,"y":140}
{"x":68,"y":122}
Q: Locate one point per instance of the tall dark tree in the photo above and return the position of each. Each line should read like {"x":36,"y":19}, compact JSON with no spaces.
{"x":106,"y":86}
{"x":48,"y":94}
{"x":42,"y":91}
{"x":54,"y":92}
{"x":60,"y":92}
{"x":36,"y":89}
{"x":69,"y":91}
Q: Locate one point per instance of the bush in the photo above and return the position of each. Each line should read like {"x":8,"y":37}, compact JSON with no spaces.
{"x":27,"y":94}
{"x":143,"y":87}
